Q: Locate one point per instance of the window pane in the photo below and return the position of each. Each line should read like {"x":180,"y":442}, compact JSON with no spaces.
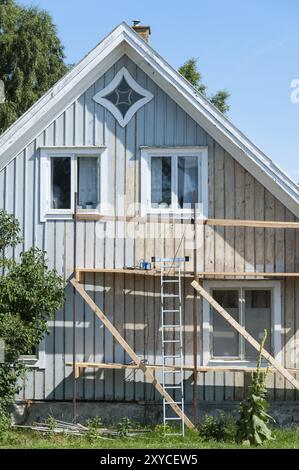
{"x":257,"y":319}
{"x":61,"y":182}
{"x":225,"y":338}
{"x":87,"y":182}
{"x":187,"y":181}
{"x":161,"y":181}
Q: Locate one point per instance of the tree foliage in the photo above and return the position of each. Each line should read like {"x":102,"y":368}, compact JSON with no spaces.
{"x":190,"y":71}
{"x":31,"y":58}
{"x":30,"y":294}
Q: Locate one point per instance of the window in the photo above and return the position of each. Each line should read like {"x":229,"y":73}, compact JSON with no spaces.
{"x":225,"y":338}
{"x":62,"y":174}
{"x":187,"y":180}
{"x":170,"y":177}
{"x":87,"y":182}
{"x":61,"y":183}
{"x":161,"y":181}
{"x":36,"y":357}
{"x":256,"y":305}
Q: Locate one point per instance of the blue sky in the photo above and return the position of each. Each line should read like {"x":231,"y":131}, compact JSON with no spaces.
{"x":250,"y":48}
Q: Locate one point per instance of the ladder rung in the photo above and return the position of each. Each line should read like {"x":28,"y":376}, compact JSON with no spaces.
{"x":172,"y":386}
{"x":168,"y":281}
{"x":173,"y":419}
{"x":173,"y":402}
{"x":167,"y":356}
{"x":172,"y":371}
{"x":171,"y":341}
{"x":170,"y":296}
{"x":170,"y":311}
{"x":171,"y":326}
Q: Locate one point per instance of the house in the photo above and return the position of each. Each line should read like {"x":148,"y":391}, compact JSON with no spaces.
{"x":103,"y":173}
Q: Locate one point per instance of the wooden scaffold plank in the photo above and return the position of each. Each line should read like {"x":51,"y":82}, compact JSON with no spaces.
{"x":245,"y":334}
{"x":147,"y":373}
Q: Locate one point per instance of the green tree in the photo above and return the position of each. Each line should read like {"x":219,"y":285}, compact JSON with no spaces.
{"x":30,"y":294}
{"x":190,"y":71}
{"x":31,"y":58}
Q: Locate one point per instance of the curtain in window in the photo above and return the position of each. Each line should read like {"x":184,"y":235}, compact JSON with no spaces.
{"x":87,"y":182}
{"x":187,"y":181}
{"x":257,"y":319}
{"x":225,"y":337}
{"x":161,"y":181}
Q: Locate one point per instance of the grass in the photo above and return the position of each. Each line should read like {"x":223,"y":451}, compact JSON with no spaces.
{"x":26,"y":439}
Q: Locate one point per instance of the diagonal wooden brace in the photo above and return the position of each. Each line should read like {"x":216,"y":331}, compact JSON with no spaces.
{"x":147,"y":373}
{"x":245,"y":334}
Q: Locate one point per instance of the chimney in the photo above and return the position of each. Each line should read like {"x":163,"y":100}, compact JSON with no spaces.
{"x":143,"y":31}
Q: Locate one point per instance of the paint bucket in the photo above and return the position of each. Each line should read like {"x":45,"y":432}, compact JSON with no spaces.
{"x":145,"y":265}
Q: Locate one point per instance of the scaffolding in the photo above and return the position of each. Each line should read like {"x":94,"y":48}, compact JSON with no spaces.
{"x":148,"y":370}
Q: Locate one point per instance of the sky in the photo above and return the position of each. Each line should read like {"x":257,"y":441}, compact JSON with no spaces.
{"x":249,"y":48}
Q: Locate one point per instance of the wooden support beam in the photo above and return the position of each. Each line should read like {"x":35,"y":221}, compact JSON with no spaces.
{"x":246,"y":274}
{"x":206,"y":274}
{"x":202,"y":369}
{"x":147,"y":373}
{"x":251,"y":223}
{"x":171,"y":219}
{"x":244,"y":333}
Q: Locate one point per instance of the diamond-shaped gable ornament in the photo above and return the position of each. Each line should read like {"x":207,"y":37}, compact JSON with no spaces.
{"x":123,"y":97}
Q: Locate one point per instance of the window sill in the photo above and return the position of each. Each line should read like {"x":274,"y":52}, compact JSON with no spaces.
{"x":175,"y":214}
{"x":31,"y":362}
{"x":241,"y":363}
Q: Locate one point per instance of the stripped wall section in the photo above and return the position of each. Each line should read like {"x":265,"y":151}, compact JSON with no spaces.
{"x":131,"y":302}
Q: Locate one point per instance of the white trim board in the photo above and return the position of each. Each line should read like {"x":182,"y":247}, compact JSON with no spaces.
{"x":124,"y":40}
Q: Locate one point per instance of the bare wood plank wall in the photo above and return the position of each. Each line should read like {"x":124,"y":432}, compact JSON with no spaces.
{"x":132,"y":302}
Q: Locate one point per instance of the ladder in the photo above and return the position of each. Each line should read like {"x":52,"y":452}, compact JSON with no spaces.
{"x":172,"y":338}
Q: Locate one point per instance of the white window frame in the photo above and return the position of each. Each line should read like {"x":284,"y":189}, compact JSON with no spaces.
{"x":46,"y":154}
{"x":276,"y":318}
{"x":37,"y":361}
{"x":147,"y":153}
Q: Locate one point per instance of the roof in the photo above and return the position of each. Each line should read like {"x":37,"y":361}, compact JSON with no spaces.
{"x":124,"y":40}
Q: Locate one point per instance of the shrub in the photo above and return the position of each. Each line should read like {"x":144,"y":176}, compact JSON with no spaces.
{"x":94,"y":426}
{"x":254,"y":419}
{"x":221,"y":428}
{"x":124,"y":427}
{"x":5,"y":422}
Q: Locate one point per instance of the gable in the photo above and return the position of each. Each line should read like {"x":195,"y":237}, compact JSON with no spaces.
{"x":124,"y":40}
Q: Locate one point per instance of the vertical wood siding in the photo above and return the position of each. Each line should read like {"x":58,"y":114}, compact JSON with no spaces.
{"x":131,"y":302}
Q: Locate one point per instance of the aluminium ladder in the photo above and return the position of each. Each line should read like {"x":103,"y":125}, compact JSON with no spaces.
{"x":172,"y":380}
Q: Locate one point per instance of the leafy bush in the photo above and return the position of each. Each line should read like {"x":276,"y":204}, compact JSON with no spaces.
{"x":5,"y":422}
{"x":94,"y":426}
{"x":124,"y":427}
{"x":221,"y":428}
{"x":52,"y":423}
{"x":254,"y":419}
